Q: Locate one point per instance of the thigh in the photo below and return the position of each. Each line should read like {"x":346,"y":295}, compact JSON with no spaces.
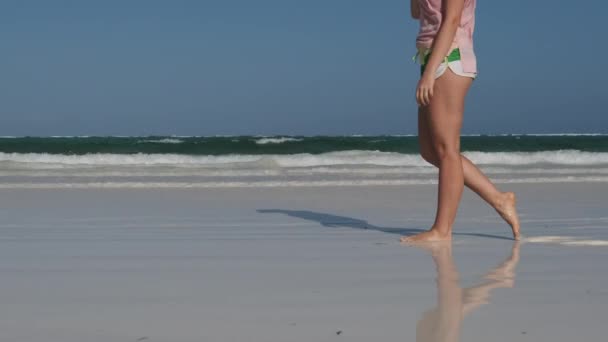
{"x":446,"y":108}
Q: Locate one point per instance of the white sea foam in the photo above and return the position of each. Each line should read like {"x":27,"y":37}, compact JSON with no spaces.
{"x":559,"y":157}
{"x":124,"y":159}
{"x":164,"y":141}
{"x":352,"y":135}
{"x":41,"y":170}
{"x":535,"y":134}
{"x":233,"y":184}
{"x":553,"y":134}
{"x":586,"y":243}
{"x":71,"y":136}
{"x":353,"y":157}
{"x":548,"y":239}
{"x":333,"y":168}
{"x":264,"y":141}
{"x":282,"y":183}
{"x":567,"y":241}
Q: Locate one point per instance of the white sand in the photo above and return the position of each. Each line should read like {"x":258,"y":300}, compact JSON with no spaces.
{"x":292,"y":264}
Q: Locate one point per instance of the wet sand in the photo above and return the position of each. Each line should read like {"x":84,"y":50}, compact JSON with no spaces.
{"x":300,"y":264}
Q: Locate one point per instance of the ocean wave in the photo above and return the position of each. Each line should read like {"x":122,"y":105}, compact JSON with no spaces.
{"x":292,"y":183}
{"x":69,"y":136}
{"x":256,"y":170}
{"x":565,"y":134}
{"x":164,"y":141}
{"x":139,"y":159}
{"x":264,"y":141}
{"x":553,"y":134}
{"x":353,"y":157}
{"x":536,"y":134}
{"x":559,"y":157}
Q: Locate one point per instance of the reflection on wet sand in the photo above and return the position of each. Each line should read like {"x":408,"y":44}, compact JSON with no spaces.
{"x":443,"y":323}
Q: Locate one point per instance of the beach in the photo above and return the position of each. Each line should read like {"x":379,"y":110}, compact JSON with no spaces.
{"x":307,"y":263}
{"x":260,"y":171}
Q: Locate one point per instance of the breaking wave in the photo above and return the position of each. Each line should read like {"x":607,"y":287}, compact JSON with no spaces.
{"x":353,"y":157}
{"x":264,"y":141}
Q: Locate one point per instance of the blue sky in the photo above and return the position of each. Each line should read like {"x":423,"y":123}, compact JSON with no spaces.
{"x":287,"y":67}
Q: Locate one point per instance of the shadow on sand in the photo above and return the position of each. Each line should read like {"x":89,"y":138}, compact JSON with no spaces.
{"x":335,"y":221}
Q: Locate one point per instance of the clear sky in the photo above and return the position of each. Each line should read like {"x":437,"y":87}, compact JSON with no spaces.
{"x":305,"y":67}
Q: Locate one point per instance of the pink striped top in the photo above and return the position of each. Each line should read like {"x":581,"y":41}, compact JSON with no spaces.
{"x":430,"y":22}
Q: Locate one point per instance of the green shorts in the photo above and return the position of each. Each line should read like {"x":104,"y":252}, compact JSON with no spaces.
{"x":452,"y":61}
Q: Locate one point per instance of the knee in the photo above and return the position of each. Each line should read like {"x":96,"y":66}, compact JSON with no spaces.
{"x":444,"y":150}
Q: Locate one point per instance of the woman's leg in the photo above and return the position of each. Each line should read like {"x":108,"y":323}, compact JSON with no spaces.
{"x":445,"y":112}
{"x":440,"y":123}
{"x":474,"y":178}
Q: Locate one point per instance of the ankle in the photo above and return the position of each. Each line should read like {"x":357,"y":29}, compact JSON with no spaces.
{"x":441,"y":231}
{"x":497,"y":200}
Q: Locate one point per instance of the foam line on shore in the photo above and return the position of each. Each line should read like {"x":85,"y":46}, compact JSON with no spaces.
{"x":566,"y":241}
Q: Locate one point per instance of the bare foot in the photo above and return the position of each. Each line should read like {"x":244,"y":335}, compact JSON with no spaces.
{"x":432,"y":235}
{"x":507,"y":210}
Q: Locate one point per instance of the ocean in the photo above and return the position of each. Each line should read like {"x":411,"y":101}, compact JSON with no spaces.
{"x":272,"y":161}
